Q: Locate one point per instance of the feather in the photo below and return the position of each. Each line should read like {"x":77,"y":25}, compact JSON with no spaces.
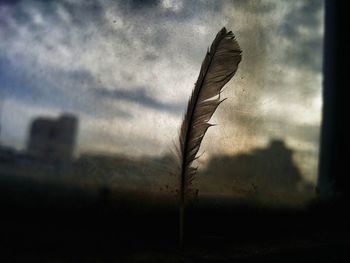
{"x":219,"y":66}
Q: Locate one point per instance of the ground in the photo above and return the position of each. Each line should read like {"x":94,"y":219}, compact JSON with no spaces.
{"x":51,"y":224}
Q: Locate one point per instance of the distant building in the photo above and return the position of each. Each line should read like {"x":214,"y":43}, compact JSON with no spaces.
{"x":53,"y":139}
{"x":262,"y":170}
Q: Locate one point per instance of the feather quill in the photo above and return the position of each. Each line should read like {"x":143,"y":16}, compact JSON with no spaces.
{"x":219,"y":66}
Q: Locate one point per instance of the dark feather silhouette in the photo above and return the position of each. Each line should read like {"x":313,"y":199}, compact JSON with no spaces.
{"x":219,"y":66}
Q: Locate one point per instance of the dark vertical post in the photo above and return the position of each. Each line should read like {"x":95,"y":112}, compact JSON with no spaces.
{"x":333,"y":176}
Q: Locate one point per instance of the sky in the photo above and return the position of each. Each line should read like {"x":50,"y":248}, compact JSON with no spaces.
{"x":127,"y":69}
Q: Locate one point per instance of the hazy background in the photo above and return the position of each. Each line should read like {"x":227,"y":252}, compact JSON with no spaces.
{"x":127,"y":68}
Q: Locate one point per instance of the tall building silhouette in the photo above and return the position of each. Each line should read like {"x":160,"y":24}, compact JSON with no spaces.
{"x":53,"y":139}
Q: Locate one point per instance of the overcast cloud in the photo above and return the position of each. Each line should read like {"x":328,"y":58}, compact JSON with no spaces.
{"x":127,"y":68}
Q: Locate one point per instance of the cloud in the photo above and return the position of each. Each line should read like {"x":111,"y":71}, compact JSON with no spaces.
{"x":302,"y":27}
{"x":280,"y":74}
{"x":127,"y":68}
{"x":139,"y":95}
{"x":139,"y":5}
{"x":58,"y":90}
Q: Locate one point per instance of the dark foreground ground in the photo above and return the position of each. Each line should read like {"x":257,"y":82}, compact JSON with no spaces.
{"x":51,"y":223}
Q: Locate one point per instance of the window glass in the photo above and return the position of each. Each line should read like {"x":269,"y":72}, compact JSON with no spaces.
{"x":93,"y":93}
